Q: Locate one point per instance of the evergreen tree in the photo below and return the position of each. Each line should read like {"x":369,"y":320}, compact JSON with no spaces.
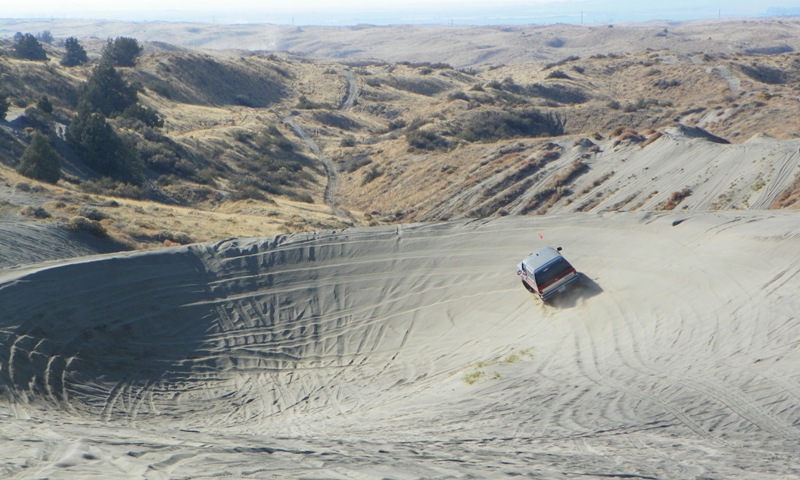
{"x":99,"y":146}
{"x":74,"y":53}
{"x":44,"y":104}
{"x":121,"y":52}
{"x":3,"y":106}
{"x":45,"y":37}
{"x":28,"y":48}
{"x":107,"y":92}
{"x":146,"y":115}
{"x":40,"y":160}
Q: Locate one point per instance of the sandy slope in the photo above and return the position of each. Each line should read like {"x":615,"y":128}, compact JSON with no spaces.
{"x":414,"y":352}
{"x":628,"y":176}
{"x":24,"y":242}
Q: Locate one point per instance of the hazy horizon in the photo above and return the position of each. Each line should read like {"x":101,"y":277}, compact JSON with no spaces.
{"x":354,"y":12}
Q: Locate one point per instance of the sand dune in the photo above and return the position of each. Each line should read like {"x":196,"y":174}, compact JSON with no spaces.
{"x":414,"y":352}
{"x":24,"y":242}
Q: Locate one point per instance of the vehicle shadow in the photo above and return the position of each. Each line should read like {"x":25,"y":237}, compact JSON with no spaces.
{"x":583,"y":289}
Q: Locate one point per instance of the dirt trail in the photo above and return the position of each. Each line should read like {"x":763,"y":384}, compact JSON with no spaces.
{"x":347,"y":102}
{"x":351,"y":96}
{"x":330,"y":171}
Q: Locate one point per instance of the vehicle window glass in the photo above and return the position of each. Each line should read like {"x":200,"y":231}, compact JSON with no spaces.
{"x":551,"y":271}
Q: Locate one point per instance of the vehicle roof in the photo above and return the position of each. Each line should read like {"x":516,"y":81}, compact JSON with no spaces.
{"x":540,"y":257}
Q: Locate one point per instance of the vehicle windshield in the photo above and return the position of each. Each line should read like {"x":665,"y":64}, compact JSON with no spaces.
{"x":552,"y":270}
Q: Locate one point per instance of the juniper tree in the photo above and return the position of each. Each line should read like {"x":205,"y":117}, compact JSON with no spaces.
{"x":74,"y":53}
{"x":121,"y":52}
{"x":40,"y":160}
{"x":101,"y":148}
{"x":28,"y":48}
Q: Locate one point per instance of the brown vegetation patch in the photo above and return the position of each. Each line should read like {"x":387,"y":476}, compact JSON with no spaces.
{"x":789,"y":198}
{"x":674,"y":199}
{"x":651,"y":138}
{"x":555,"y":188}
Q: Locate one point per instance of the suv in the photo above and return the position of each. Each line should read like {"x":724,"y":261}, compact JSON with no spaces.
{"x":546,"y":272}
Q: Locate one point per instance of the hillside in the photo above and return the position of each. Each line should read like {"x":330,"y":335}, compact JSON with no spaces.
{"x":459,"y":45}
{"x":257,"y":143}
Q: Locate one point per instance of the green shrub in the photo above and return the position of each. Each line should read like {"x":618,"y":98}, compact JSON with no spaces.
{"x":34,"y":212}
{"x":146,"y":115}
{"x":421,"y":86}
{"x":426,"y":140}
{"x":91,"y":213}
{"x":558,"y":74}
{"x":174,"y":237}
{"x":371,"y":175}
{"x":664,"y":84}
{"x":492,"y":125}
{"x":397,"y":124}
{"x":44,"y":104}
{"x":355,"y":163}
{"x":40,"y":160}
{"x":336,"y":120}
{"x":304,"y":103}
{"x":84,"y":225}
{"x":458,"y":95}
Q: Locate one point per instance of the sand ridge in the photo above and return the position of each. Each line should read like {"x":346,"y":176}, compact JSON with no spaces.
{"x":413,"y":352}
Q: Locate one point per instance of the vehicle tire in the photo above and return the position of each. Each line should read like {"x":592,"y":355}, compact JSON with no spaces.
{"x":527,"y":287}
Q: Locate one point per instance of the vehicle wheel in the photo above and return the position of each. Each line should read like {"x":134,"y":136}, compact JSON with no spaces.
{"x":527,"y":287}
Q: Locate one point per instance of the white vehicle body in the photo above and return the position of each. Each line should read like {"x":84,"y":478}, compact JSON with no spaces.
{"x":546,"y":272}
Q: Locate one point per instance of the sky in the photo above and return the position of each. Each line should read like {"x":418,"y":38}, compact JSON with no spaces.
{"x":353,"y":12}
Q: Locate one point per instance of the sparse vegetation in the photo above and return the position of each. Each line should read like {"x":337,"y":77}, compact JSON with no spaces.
{"x":556,"y":188}
{"x":35,"y":212}
{"x":557,"y":74}
{"x":420,"y":86}
{"x":674,"y":199}
{"x":426,"y":139}
{"x":492,"y":125}
{"x":84,"y":225}
{"x":424,"y":125}
{"x":789,"y":197}
{"x":372,"y":174}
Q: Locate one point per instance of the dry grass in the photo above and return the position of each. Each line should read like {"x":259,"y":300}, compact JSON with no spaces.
{"x":674,"y":199}
{"x":219,"y":123}
{"x":789,"y":198}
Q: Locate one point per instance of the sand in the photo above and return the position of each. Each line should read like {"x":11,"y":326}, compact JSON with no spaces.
{"x":413,"y":352}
